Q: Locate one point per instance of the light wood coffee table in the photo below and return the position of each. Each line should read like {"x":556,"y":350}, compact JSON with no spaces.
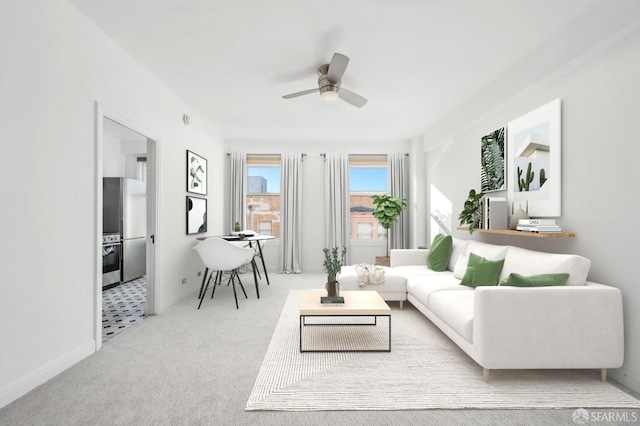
{"x":356,"y":304}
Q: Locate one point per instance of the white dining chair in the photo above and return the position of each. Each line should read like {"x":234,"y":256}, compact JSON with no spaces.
{"x":221,"y":256}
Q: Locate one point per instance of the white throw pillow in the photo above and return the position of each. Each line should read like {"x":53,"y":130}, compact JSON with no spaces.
{"x":461,"y":266}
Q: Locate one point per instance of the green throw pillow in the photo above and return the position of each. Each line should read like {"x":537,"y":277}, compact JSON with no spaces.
{"x":542,"y":280}
{"x":440,"y":252}
{"x":481,"y":271}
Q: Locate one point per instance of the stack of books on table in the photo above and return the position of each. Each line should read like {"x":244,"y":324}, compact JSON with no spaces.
{"x":538,"y":225}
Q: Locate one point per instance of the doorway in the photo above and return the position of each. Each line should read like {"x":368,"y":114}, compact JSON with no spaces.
{"x":127,"y":166}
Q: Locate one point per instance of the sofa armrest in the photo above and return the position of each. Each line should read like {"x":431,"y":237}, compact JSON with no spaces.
{"x":549,"y":327}
{"x":406,"y":257}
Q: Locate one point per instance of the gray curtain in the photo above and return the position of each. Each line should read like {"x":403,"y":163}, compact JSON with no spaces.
{"x":238,"y":192}
{"x":337,"y":222}
{"x":290,"y":212}
{"x":398,"y":188}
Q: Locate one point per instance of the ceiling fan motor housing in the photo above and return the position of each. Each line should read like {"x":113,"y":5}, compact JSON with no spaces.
{"x":325,"y":85}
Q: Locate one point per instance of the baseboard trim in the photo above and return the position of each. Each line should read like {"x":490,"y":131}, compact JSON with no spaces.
{"x":626,"y":378}
{"x":35,"y":378}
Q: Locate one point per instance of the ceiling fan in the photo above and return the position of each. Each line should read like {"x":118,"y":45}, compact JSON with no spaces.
{"x":330,"y":83}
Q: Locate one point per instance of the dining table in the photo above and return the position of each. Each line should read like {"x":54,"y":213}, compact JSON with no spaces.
{"x":252,"y":240}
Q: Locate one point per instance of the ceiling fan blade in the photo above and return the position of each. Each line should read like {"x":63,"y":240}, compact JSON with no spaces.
{"x":351,"y":98}
{"x":295,"y":95}
{"x":337,"y":67}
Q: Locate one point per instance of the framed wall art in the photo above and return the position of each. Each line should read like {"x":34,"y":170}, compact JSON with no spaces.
{"x":196,"y":173}
{"x":492,"y":161}
{"x":534,"y":166}
{"x":196,"y":215}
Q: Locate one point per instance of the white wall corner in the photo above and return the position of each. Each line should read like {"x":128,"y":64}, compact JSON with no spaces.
{"x":22,"y":385}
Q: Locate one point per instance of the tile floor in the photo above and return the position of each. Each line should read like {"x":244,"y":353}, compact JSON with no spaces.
{"x":122,"y":307}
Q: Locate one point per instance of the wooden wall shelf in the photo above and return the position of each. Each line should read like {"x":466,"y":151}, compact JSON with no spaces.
{"x":521,"y":233}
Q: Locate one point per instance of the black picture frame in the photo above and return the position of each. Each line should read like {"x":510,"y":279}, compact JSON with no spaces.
{"x":196,"y":211}
{"x":197,"y":173}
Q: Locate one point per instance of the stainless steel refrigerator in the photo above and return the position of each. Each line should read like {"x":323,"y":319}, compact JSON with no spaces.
{"x":125,"y":212}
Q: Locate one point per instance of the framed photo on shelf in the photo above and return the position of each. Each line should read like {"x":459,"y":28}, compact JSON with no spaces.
{"x":534,"y":161}
{"x":196,"y":215}
{"x":196,"y":173}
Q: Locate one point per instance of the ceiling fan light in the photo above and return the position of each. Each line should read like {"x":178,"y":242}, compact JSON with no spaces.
{"x":329,"y":96}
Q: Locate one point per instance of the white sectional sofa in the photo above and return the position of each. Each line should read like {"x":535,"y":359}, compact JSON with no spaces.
{"x":578,"y":325}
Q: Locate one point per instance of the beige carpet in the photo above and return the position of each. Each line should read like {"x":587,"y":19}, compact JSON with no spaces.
{"x":424,"y":370}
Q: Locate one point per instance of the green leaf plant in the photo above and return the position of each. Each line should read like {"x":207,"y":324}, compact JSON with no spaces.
{"x":470,"y":214}
{"x":333,"y":261}
{"x":387,"y":210}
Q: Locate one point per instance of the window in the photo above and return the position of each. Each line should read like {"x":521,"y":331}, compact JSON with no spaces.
{"x":365,"y":231}
{"x":265,"y":228}
{"x":367,"y":177}
{"x":263,"y":194}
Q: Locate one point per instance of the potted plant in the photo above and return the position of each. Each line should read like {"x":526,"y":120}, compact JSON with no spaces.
{"x":470,"y":214}
{"x":333,"y":261}
{"x":387,"y":209}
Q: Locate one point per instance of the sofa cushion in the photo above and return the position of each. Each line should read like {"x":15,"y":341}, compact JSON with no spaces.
{"x":488,"y":251}
{"x":481,"y":271}
{"x":458,"y":247}
{"x":456,"y":309}
{"x":528,"y":262}
{"x":439,"y":252}
{"x":540,"y":280}
{"x":461,"y":266}
{"x":423,"y":286}
{"x":409,"y":271}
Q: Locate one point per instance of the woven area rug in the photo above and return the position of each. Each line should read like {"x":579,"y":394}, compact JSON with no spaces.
{"x":424,"y":370}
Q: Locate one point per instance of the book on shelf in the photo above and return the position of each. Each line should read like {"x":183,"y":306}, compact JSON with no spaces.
{"x":494,"y":213}
{"x":534,"y":228}
{"x":537,"y":222}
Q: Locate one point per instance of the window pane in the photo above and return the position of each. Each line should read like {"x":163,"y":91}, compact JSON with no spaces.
{"x":265,"y":228}
{"x":382,"y":233}
{"x":263,"y":180}
{"x":263,"y":197}
{"x":365,"y":231}
{"x":366,"y":180}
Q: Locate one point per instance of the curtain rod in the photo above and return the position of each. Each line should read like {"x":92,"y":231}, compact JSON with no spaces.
{"x":265,"y":155}
{"x":324,"y":154}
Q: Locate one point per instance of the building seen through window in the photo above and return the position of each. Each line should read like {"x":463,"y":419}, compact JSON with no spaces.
{"x":263,"y":194}
{"x":367,"y":177}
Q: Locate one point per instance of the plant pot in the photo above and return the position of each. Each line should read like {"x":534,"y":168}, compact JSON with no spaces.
{"x":333,"y":288}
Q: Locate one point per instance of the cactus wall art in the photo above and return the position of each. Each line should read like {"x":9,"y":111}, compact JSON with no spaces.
{"x":534,"y":160}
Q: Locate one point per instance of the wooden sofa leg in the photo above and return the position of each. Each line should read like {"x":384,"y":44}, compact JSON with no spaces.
{"x":401,"y":305}
{"x":603,"y":374}
{"x":485,"y":375}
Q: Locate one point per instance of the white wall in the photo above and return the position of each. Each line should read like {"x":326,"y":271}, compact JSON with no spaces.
{"x":56,"y":65}
{"x":600,"y":151}
{"x":313,"y":195}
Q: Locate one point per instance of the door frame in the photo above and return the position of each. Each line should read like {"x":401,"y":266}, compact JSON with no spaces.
{"x":153,"y":212}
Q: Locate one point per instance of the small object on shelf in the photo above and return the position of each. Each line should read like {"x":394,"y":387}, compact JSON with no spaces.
{"x":494,"y":213}
{"x":537,"y":222}
{"x":517,"y":215}
{"x":521,"y":233}
{"x":326,"y":300}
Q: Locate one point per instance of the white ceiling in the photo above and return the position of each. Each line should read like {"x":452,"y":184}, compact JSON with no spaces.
{"x":416,"y":61}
